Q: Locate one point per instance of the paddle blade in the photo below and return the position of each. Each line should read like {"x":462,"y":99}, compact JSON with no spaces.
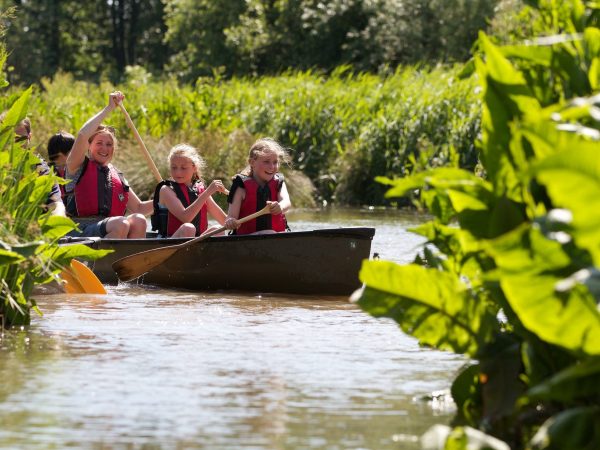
{"x":87,"y":278}
{"x":70,"y":283}
{"x":79,"y":279}
{"x":136,"y":265}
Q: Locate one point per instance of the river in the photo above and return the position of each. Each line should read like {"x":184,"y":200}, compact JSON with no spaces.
{"x":150,"y":368}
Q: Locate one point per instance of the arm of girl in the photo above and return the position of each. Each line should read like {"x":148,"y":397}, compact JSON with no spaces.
{"x":233,"y":213}
{"x":135,"y":205}
{"x":283,"y":203}
{"x":215,"y":211}
{"x":81,"y":144}
{"x":186,"y":215}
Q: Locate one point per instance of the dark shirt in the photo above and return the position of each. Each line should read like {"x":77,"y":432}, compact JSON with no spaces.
{"x":54,"y":195}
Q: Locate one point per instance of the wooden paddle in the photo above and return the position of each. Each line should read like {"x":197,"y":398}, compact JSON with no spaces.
{"x":79,"y":279}
{"x":143,"y":148}
{"x":133,"y":266}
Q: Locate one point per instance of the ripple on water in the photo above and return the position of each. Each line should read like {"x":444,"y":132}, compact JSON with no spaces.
{"x":177,"y":369}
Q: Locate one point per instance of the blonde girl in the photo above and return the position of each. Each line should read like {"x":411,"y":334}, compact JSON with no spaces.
{"x":258,"y":185}
{"x":182,"y":204}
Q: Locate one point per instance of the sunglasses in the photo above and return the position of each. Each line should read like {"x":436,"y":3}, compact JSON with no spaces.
{"x":21,"y":138}
{"x":110,"y":129}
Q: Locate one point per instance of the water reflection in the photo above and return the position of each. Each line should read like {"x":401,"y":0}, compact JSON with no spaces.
{"x":148,"y":367}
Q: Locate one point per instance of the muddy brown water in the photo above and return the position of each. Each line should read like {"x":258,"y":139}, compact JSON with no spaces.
{"x":150,"y":368}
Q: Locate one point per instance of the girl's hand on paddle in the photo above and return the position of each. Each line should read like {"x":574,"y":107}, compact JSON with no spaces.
{"x":217,"y":186}
{"x":231,"y":223}
{"x":115,"y":98}
{"x":274,"y":208}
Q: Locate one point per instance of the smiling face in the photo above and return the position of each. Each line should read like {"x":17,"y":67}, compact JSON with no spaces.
{"x":182,"y":169}
{"x":102,"y":148}
{"x":264,"y":166}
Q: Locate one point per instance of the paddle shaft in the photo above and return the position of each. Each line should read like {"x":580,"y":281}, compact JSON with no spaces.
{"x":143,"y":148}
{"x":133,"y":266}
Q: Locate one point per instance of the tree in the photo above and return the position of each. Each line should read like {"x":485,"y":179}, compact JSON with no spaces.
{"x":92,"y":40}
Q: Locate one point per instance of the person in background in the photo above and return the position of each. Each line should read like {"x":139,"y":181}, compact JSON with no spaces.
{"x":182,"y":204}
{"x":258,"y":185}
{"x":98,"y":195}
{"x":54,"y":202}
{"x":59,"y":147}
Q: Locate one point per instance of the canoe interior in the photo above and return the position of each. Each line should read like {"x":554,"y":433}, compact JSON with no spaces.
{"x":323,"y":262}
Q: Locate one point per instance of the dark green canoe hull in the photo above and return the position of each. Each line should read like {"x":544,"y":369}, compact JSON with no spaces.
{"x":323,"y":262}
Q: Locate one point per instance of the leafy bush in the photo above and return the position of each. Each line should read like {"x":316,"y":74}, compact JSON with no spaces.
{"x":510,"y":273}
{"x":29,"y":250}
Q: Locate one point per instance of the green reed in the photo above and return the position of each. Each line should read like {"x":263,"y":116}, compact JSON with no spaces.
{"x":343,"y":129}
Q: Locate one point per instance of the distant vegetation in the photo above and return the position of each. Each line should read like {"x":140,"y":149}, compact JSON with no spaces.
{"x":98,"y":40}
{"x":355,"y":89}
{"x":344,"y":129}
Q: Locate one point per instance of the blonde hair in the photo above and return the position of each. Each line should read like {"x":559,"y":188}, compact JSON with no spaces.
{"x":105,"y":129}
{"x":265,"y":146}
{"x":189,"y":152}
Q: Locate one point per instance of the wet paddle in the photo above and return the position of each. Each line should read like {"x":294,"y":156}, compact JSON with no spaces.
{"x":79,"y":279}
{"x":134,"y":266}
{"x":143,"y":148}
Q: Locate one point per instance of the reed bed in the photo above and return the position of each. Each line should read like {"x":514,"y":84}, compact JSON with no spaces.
{"x":342,"y":129}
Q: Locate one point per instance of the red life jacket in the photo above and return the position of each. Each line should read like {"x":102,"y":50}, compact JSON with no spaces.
{"x":99,"y":191}
{"x":256,"y":199}
{"x":166,"y":223}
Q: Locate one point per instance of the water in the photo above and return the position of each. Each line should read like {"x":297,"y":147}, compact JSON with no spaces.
{"x":151,"y":368}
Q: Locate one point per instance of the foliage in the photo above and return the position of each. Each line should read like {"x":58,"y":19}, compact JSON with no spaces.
{"x":189,"y":39}
{"x":509,"y":276}
{"x":344,"y":129}
{"x":265,"y":37}
{"x":29,"y":251}
{"x":92,"y":40}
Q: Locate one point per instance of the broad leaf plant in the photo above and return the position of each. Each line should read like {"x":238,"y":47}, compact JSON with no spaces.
{"x":509,"y":274}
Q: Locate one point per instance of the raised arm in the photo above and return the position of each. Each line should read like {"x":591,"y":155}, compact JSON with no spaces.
{"x":81,"y":145}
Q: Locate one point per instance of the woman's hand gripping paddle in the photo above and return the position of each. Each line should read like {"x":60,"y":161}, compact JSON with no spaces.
{"x":134,"y":266}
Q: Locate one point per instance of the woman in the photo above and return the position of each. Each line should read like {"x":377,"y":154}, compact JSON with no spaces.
{"x":98,"y":195}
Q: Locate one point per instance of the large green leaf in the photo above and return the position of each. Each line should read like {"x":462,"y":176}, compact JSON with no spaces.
{"x":573,"y":182}
{"x":71,"y":251}
{"x":10,"y":257}
{"x":526,"y":251}
{"x":13,"y":116}
{"x":575,"y":428}
{"x":568,"y":319}
{"x":466,"y":392}
{"x":431,"y":305}
{"x":536,"y":54}
{"x":54,"y":227}
{"x":547,"y":137}
{"x":591,"y":38}
{"x":580,"y":381}
{"x":506,"y":98}
{"x":402,"y":186}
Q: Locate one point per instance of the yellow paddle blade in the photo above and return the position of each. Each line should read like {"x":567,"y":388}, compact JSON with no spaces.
{"x":79,"y":279}
{"x":70,"y":283}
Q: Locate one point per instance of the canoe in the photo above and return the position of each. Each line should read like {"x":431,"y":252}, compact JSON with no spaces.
{"x":324,"y":262}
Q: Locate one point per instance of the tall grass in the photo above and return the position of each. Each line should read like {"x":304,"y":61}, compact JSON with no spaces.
{"x":29,"y":251}
{"x":343,"y":129}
